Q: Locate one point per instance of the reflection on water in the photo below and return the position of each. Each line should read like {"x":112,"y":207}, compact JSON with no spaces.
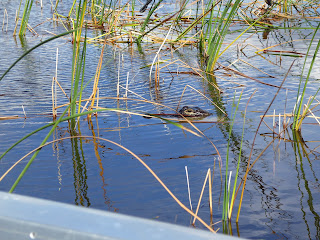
{"x":281,"y":195}
{"x":80,"y":173}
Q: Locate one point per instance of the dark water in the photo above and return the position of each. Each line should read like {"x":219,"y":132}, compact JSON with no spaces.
{"x":281,"y":199}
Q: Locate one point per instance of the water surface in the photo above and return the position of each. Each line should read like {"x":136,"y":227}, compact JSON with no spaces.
{"x":282,"y":192}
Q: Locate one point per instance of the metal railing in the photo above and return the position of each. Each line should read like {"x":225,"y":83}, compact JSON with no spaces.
{"x":24,"y":217}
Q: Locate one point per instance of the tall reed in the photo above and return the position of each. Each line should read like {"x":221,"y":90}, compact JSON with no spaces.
{"x":25,"y":17}
{"x":227,"y":183}
{"x":78,"y":65}
{"x":216,"y":29}
{"x":60,"y":119}
{"x":146,"y":21}
{"x":299,"y":112}
{"x":78,"y":61}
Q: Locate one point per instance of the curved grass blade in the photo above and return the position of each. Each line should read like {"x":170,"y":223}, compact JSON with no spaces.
{"x":141,"y":161}
{"x":195,"y":23}
{"x":33,"y":48}
{"x":61,"y":119}
{"x":144,"y":25}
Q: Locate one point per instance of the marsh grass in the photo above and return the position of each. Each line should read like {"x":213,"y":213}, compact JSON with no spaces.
{"x":226,"y":214}
{"x":216,"y":29}
{"x":77,"y":67}
{"x":120,"y":22}
{"x":25,"y":16}
{"x":301,"y":112}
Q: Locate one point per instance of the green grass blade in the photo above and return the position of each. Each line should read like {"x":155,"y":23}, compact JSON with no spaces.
{"x":33,"y":48}
{"x":226,"y":190}
{"x":296,"y":123}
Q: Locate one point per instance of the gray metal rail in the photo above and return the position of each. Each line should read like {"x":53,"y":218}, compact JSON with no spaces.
{"x":24,"y":217}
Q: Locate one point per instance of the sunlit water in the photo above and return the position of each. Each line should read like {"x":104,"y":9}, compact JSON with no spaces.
{"x":281,"y":200}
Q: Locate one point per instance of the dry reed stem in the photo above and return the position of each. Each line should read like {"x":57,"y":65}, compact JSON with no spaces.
{"x":256,"y":68}
{"x":96,"y":78}
{"x":9,"y":117}
{"x":65,"y":94}
{"x":154,"y":59}
{"x":313,"y":115}
{"x":54,"y":89}
{"x":32,"y":30}
{"x":187,"y":175}
{"x":132,"y":93}
{"x":245,"y":76}
{"x":97,"y":102}
{"x":16,"y":19}
{"x":119,"y":64}
{"x":272,"y":130}
{"x":289,"y":115}
{"x":130,"y":152}
{"x":261,"y":50}
{"x":53,"y":95}
{"x":4,"y":18}
{"x":200,"y":197}
{"x":197,"y":70}
{"x":210,"y":193}
{"x":254,"y":139}
{"x":127,"y":86}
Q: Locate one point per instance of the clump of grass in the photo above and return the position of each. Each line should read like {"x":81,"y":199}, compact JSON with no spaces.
{"x":216,"y":29}
{"x":300,"y":113}
{"x":25,"y":16}
{"x":226,"y":214}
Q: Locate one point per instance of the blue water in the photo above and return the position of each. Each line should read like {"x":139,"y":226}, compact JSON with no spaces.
{"x":282,"y":191}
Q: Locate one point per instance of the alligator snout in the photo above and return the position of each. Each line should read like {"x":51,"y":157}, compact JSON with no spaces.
{"x":193,"y":112}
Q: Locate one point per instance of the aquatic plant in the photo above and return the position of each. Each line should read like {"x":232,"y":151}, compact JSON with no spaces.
{"x":77,"y":71}
{"x":25,"y":17}
{"x":78,"y":60}
{"x":216,"y":29}
{"x":226,"y":214}
{"x":299,"y":112}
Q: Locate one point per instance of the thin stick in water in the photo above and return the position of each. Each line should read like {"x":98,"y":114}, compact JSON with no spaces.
{"x":126,"y":94}
{"x":55,"y":86}
{"x":210,"y":193}
{"x":52,"y":96}
{"x":188,"y":187}
{"x":4,"y":18}
{"x":155,"y":57}
{"x":279,"y":125}
{"x":198,"y":206}
{"x":118,"y":91}
{"x":25,"y":115}
{"x":274,"y":118}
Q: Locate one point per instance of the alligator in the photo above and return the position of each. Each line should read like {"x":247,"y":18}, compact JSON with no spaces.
{"x":193,"y":112}
{"x":186,"y":111}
